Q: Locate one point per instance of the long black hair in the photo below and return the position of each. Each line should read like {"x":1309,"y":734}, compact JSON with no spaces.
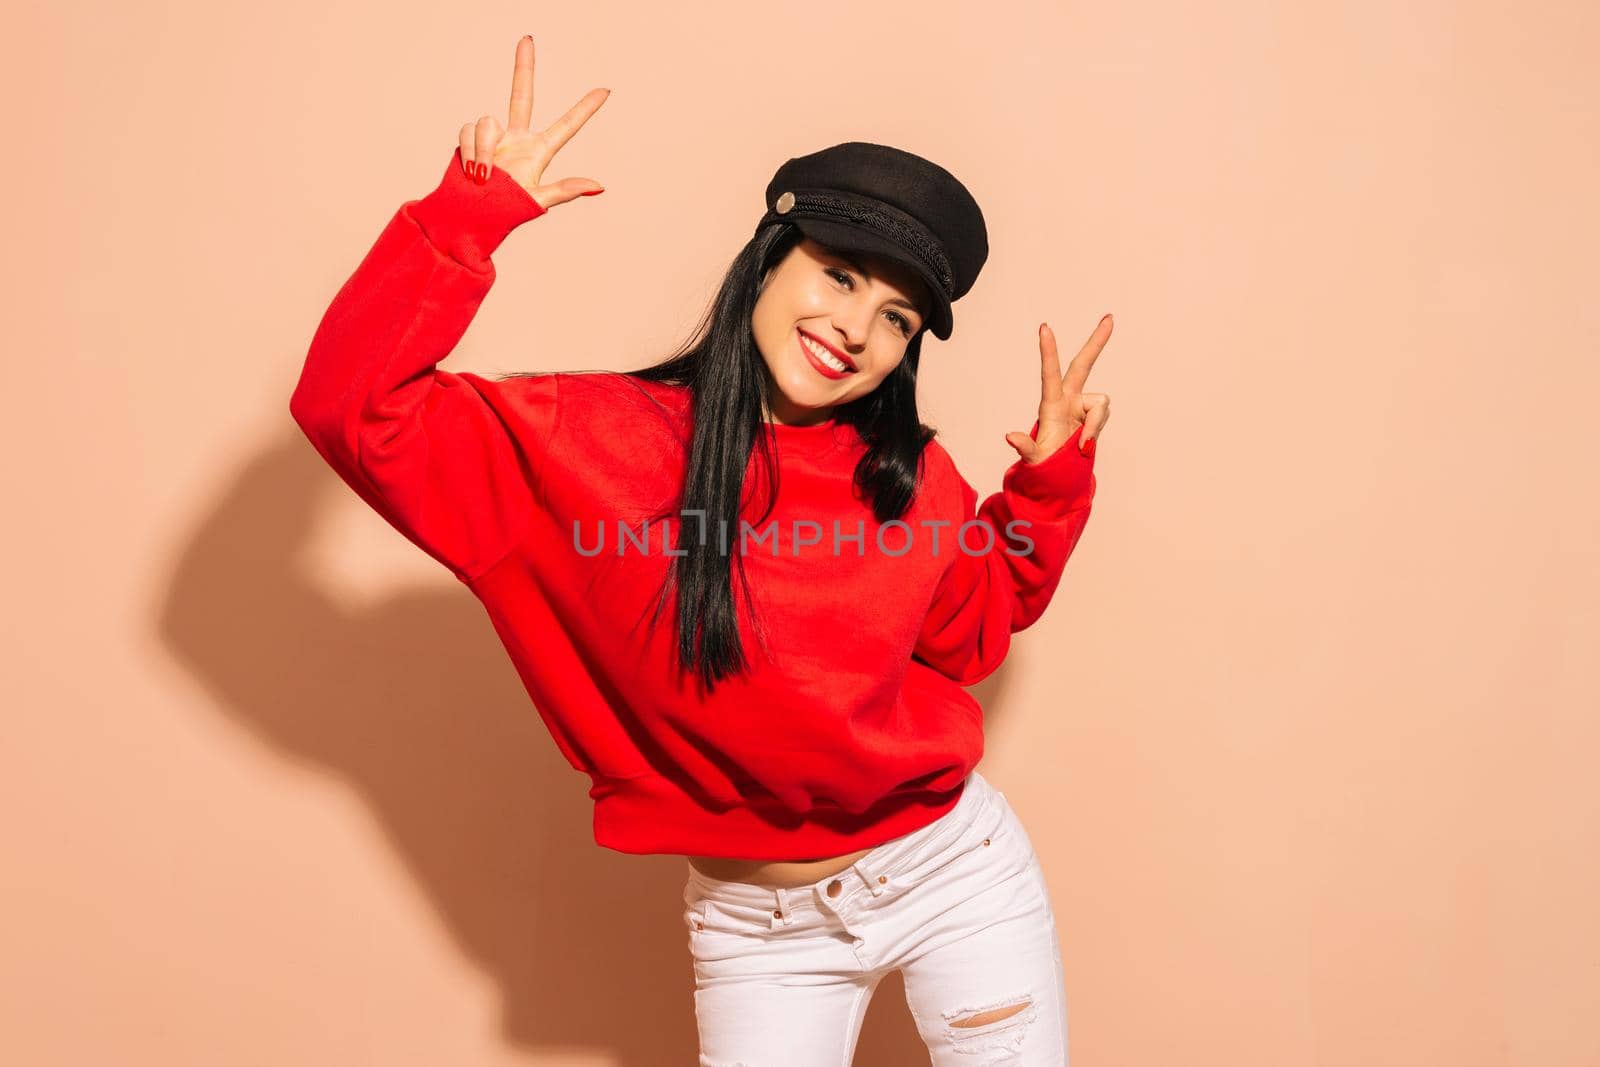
{"x":730,"y":389}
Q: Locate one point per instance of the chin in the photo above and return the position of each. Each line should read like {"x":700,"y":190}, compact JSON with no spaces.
{"x":809,"y":396}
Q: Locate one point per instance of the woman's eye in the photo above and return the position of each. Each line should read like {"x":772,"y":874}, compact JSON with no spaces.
{"x":840,"y":276}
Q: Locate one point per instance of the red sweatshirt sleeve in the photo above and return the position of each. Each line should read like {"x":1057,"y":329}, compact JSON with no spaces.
{"x":431,"y":451}
{"x":986,"y":596}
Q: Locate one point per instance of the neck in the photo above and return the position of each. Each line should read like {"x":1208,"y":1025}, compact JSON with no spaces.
{"x":786,"y":415}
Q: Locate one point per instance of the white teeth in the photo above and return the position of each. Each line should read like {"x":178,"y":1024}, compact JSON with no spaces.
{"x":823,"y":354}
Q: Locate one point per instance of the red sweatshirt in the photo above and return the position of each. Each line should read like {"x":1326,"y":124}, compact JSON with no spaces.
{"x":851,"y":728}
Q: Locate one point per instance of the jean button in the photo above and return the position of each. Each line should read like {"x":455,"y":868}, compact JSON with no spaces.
{"x":834,"y":887}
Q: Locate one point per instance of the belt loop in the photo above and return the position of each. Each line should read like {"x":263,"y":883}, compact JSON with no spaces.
{"x":782,"y":912}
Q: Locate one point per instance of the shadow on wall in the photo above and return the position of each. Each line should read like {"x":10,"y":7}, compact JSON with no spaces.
{"x":414,"y":703}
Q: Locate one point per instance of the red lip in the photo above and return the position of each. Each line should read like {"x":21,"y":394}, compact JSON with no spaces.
{"x":838,"y":355}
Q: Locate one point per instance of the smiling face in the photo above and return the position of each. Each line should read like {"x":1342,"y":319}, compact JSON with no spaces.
{"x":819,"y":309}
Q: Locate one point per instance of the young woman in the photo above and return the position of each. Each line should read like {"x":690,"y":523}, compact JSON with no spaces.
{"x":745,"y":587}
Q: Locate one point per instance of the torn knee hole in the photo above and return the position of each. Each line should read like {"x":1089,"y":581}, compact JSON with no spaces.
{"x":991,"y":1015}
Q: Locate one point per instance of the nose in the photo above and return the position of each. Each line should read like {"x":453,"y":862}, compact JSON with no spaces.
{"x":852,"y":324}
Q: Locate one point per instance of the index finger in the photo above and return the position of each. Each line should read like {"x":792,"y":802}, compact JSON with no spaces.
{"x":1083,"y":362}
{"x":522,"y":87}
{"x":561,"y":130}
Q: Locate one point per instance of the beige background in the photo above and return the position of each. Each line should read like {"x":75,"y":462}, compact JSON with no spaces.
{"x":1306,"y":741}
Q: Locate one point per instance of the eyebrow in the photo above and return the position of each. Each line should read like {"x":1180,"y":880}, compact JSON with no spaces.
{"x":856,"y":263}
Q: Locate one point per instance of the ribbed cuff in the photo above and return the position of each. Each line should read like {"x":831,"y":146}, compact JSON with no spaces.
{"x":1063,"y":481}
{"x":468,"y":221}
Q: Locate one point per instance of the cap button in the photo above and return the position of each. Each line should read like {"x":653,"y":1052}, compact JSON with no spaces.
{"x":785,"y":203}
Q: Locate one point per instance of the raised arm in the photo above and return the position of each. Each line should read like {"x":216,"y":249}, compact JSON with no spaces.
{"x":451,"y":460}
{"x":1034,"y":523}
{"x":983,"y":599}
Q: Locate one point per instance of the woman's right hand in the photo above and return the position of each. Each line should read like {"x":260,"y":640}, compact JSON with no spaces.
{"x":523,"y":153}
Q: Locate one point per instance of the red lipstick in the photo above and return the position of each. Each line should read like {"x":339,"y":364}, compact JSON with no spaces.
{"x":821,"y":367}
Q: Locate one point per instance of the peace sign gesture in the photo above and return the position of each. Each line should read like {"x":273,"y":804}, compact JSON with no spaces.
{"x":1063,"y":405}
{"x":524,"y":153}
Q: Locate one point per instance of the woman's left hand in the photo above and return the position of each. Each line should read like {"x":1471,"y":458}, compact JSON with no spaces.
{"x":1063,"y":405}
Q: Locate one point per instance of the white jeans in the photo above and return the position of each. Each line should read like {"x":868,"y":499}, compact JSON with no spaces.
{"x":959,"y":907}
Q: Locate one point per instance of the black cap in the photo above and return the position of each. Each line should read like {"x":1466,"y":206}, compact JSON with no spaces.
{"x":862,"y":197}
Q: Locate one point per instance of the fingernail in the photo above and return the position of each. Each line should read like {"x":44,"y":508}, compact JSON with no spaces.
{"x":591,"y":192}
{"x":483,"y":173}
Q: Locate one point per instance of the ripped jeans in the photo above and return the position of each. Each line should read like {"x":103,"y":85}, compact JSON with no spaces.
{"x":959,"y":907}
